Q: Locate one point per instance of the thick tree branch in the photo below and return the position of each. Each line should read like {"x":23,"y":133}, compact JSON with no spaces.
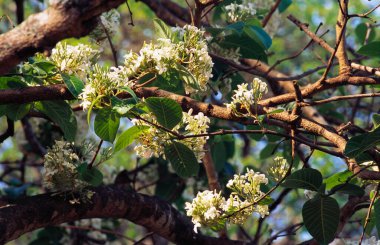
{"x":63,"y":19}
{"x":113,"y":201}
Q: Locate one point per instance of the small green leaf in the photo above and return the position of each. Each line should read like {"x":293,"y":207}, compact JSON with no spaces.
{"x":376,"y":120}
{"x":360,"y":143}
{"x":131,"y":92}
{"x":106,"y":124}
{"x":284,"y":4}
{"x":74,"y":84}
{"x":183,"y":160}
{"x":348,"y":188}
{"x":17,"y":111}
{"x":167,"y":111}
{"x":122,"y":106}
{"x":266,"y":201}
{"x":61,"y":113}
{"x":361,"y":33}
{"x":371,"y":49}
{"x":162,"y":30}
{"x":337,"y":179}
{"x":185,"y":75}
{"x":307,"y":178}
{"x":128,"y":136}
{"x":376,"y":207}
{"x":321,"y":218}
{"x":90,"y":175}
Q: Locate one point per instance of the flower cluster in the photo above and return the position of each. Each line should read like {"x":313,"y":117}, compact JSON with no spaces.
{"x":60,"y":168}
{"x":244,"y":98}
{"x":188,"y":49}
{"x":73,"y":60}
{"x":153,"y":140}
{"x":279,"y":168}
{"x":108,"y":24}
{"x":102,"y":82}
{"x":211,"y":209}
{"x":240,"y":12}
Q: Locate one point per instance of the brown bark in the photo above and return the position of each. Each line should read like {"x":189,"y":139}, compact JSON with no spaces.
{"x":30,"y":213}
{"x":63,"y":19}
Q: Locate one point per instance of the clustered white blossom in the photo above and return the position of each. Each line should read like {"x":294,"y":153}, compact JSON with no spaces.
{"x":278,"y":168}
{"x":153,"y":140}
{"x":73,"y":60}
{"x":108,"y":24}
{"x":188,"y":49}
{"x":212,"y":209}
{"x":60,"y":168}
{"x":240,"y":12}
{"x":244,"y":98}
{"x":102,"y":82}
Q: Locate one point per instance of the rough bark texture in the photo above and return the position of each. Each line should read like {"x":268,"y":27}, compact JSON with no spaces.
{"x":63,"y":19}
{"x":113,"y":201}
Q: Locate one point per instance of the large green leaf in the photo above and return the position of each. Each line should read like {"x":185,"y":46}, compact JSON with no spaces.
{"x":167,"y":111}
{"x":183,"y":160}
{"x":91,"y":175}
{"x":128,"y":136}
{"x":259,"y":35}
{"x":74,"y":84}
{"x":371,"y":49}
{"x":376,"y":207}
{"x":376,"y":120}
{"x":16,"y":111}
{"x":307,"y":178}
{"x":122,"y":106}
{"x":60,"y":112}
{"x":321,"y":218}
{"x":106,"y":124}
{"x":360,"y":143}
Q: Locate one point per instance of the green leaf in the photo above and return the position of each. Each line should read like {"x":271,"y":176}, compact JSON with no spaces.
{"x":60,"y":112}
{"x":266,"y":201}
{"x":106,"y":124}
{"x":361,"y":33}
{"x":128,"y":136}
{"x":183,"y":160}
{"x":371,"y":49}
{"x":186,"y":76}
{"x":249,"y":48}
{"x":74,"y":84}
{"x":321,"y":218}
{"x":122,"y":106}
{"x":259,"y":35}
{"x":167,"y":111}
{"x":337,"y":179}
{"x":307,"y":178}
{"x":162,"y":30}
{"x":360,"y":143}
{"x":284,"y":5}
{"x":91,"y":175}
{"x":17,"y":111}
{"x":376,"y":207}
{"x":46,"y":66}
{"x":131,"y":92}
{"x":376,"y":120}
{"x":348,"y":188}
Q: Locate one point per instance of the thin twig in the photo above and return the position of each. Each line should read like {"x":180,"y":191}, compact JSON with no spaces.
{"x":367,"y":218}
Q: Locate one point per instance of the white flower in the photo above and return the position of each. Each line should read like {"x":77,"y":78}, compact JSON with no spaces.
{"x":73,"y":59}
{"x":278,"y":168}
{"x":109,"y":22}
{"x":240,"y":12}
{"x":244,"y":98}
{"x":310,"y":194}
{"x":152,"y":141}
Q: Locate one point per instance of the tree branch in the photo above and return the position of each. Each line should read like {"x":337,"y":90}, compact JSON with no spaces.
{"x":63,"y":19}
{"x":30,"y":213}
